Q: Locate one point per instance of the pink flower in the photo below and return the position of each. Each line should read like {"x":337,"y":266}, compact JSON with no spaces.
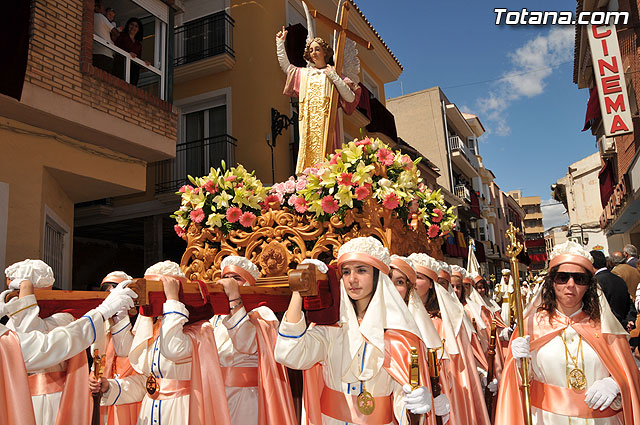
{"x":345,"y":179}
{"x":278,"y":188}
{"x":434,"y":229}
{"x":233,"y":214}
{"x":197,"y":215}
{"x":362,"y":192}
{"x":301,"y":205}
{"x":406,"y":162}
{"x":363,"y":142}
{"x":329,"y":205}
{"x":179,"y":230}
{"x":438,"y":215}
{"x":385,"y":156}
{"x":210,"y":187}
{"x":247,"y":219}
{"x":301,"y":183}
{"x":230,"y":178}
{"x":290,"y":186}
{"x":271,"y":198}
{"x":391,"y":201}
{"x":196,"y":190}
{"x":422,"y":187}
{"x":334,"y":159}
{"x":184,"y":188}
{"x":310,"y":170}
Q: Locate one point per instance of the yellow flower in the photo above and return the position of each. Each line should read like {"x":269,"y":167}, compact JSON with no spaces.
{"x":222,"y":200}
{"x":345,"y":197}
{"x":214,"y":220}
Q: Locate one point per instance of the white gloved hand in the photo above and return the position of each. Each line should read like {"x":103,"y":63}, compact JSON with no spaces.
{"x":322,"y":267}
{"x":505,"y":334}
{"x":441,"y":405}
{"x":417,"y":401}
{"x":3,"y":295}
{"x":520,"y":347}
{"x":602,"y":393}
{"x":493,"y":386}
{"x":120,"y":299}
{"x":15,"y":284}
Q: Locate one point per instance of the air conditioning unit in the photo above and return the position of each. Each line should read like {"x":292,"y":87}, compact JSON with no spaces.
{"x":607,"y":146}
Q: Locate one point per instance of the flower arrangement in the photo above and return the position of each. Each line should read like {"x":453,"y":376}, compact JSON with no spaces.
{"x":226,"y":198}
{"x":361,"y":170}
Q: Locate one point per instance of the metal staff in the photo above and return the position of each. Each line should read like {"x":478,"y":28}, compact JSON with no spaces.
{"x":98,"y":369}
{"x":513,"y":249}
{"x":491,"y":354}
{"x":434,"y":375}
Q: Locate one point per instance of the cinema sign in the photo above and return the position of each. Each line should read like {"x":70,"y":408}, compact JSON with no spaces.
{"x":610,"y":82}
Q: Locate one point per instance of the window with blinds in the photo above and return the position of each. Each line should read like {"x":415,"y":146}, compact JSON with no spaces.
{"x":53,"y":252}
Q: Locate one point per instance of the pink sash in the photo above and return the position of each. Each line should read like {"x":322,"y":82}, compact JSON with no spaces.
{"x":564,"y":401}
{"x":240,"y":376}
{"x":343,"y":407}
{"x":15,"y":400}
{"x":170,"y":388}
{"x":46,"y":383}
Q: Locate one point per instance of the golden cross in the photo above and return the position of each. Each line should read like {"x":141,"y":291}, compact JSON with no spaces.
{"x":515,"y":247}
{"x":343,"y":32}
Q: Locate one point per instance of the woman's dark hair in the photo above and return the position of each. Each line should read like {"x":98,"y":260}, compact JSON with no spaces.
{"x":140,"y":34}
{"x":590,"y":303}
{"x":410,"y":285}
{"x":463,"y":294}
{"x":431,"y":305}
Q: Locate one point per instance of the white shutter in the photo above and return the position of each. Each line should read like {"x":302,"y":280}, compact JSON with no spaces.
{"x":156,"y":8}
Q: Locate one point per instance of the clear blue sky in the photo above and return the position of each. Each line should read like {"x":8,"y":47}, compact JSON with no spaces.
{"x":534,"y":129}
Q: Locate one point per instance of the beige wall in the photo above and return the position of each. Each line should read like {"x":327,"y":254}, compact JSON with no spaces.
{"x":583,"y":190}
{"x":44,"y":168}
{"x":420,"y":123}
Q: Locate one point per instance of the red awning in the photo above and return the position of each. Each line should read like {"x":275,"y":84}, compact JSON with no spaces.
{"x":538,"y":258}
{"x":593,"y":110}
{"x":607,"y":182}
{"x":534,"y":243}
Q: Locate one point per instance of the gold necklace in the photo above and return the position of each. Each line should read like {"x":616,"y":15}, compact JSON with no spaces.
{"x":365,"y":401}
{"x":576,"y":378}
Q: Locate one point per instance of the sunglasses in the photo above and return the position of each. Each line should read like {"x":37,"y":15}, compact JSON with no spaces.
{"x":562,"y":278}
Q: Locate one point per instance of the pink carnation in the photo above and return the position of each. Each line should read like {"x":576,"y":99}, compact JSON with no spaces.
{"x":310,"y":170}
{"x":301,"y":205}
{"x":184,"y":188}
{"x":290,"y":186}
{"x":345,"y":179}
{"x":438,"y":215}
{"x":247,"y":219}
{"x":197,"y":215}
{"x":179,"y":230}
{"x":301,"y":183}
{"x":363,"y":142}
{"x":233,"y":214}
{"x":391,"y":201}
{"x":406,"y":162}
{"x":362,"y":192}
{"x":385,"y":156}
{"x":292,"y":200}
{"x":230,"y":178}
{"x":196,"y":190}
{"x":329,"y":204}
{"x":434,"y":229}
{"x":210,"y":187}
{"x":334,"y":159}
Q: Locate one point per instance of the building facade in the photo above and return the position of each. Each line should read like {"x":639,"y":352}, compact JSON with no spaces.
{"x":619,"y":174}
{"x":579,"y":192}
{"x":72,"y":133}
{"x":533,"y":229}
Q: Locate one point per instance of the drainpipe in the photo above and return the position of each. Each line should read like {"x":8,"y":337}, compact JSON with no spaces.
{"x":446,"y":138}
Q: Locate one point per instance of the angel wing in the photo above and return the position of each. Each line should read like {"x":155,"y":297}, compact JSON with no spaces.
{"x":351,"y":61}
{"x":311,"y":24}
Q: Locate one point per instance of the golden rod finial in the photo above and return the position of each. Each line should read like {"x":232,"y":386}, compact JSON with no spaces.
{"x":513,"y":249}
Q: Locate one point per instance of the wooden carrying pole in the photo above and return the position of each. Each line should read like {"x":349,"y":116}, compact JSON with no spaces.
{"x":513,"y":249}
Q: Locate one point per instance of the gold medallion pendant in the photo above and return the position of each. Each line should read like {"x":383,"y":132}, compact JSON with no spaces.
{"x":366,"y":403}
{"x":152,"y":385}
{"x":577,"y":380}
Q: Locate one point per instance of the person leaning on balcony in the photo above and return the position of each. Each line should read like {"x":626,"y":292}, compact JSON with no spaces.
{"x":102,"y":27}
{"x":130,"y":40}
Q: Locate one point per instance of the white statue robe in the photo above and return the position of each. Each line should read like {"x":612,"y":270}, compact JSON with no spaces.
{"x":25,"y":317}
{"x":550,"y":367}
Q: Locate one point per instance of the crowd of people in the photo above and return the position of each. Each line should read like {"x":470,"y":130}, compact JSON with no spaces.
{"x":128,"y":38}
{"x":395,"y":313}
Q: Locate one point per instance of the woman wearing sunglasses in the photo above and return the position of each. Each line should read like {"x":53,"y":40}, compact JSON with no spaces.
{"x":582,"y":371}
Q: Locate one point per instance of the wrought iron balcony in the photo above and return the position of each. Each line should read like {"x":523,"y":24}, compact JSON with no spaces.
{"x":195,"y":159}
{"x":462,"y":192}
{"x":204,"y":38}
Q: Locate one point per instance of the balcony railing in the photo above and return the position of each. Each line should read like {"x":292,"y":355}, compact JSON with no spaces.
{"x":455,"y":143}
{"x":204,"y":38}
{"x":195,"y":159}
{"x":463,"y":193}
